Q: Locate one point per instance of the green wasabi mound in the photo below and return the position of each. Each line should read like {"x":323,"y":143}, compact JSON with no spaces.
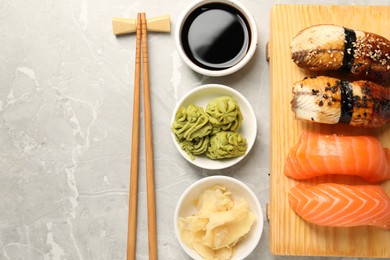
{"x":213,"y":131}
{"x":191,"y":123}
{"x":224,"y":113}
{"x":226,"y":144}
{"x":195,"y":147}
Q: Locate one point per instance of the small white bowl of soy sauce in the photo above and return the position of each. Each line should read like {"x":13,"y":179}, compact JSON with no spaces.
{"x":216,"y":37}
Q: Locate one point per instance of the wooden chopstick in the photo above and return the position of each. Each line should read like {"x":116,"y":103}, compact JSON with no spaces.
{"x":132,"y":218}
{"x":142,"y":45}
{"x":152,"y":231}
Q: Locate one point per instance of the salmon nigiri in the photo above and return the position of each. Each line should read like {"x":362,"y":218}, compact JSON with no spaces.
{"x":319,"y":154}
{"x":339,"y":205}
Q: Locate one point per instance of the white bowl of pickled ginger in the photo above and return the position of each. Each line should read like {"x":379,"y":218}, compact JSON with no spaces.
{"x":218,"y":217}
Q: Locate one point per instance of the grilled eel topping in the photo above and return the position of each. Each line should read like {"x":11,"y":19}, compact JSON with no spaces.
{"x":330,"y":101}
{"x":332,"y":47}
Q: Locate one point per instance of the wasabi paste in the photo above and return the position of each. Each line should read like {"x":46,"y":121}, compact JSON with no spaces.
{"x":190,"y":123}
{"x":224,"y":113}
{"x":226,"y":144}
{"x":212,"y":131}
{"x":195,"y":147}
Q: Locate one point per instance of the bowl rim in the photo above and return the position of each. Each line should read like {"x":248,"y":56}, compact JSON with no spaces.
{"x":217,"y":73}
{"x":191,"y":252}
{"x":231,"y":161}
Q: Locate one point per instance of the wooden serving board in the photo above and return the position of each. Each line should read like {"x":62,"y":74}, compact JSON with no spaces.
{"x":289,"y":234}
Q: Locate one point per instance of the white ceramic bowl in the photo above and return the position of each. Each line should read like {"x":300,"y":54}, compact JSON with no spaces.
{"x":201,"y":96}
{"x":216,"y":73}
{"x":185,"y":207}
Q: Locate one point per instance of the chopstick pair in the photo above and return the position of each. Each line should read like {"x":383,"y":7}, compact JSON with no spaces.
{"x":123,"y":26}
{"x":141,"y":53}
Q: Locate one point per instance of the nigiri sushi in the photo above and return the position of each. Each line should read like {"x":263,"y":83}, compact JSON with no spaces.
{"x":330,"y":101}
{"x":339,"y":205}
{"x":318,"y":154}
{"x":331,"y":47}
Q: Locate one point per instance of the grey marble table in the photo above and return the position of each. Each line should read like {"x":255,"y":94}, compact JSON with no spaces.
{"x":65,"y":128}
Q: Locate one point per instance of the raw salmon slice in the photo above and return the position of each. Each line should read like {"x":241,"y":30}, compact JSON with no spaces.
{"x":318,"y":154}
{"x":340,"y":205}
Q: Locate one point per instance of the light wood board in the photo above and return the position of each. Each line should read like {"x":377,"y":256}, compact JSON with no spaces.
{"x":289,"y":234}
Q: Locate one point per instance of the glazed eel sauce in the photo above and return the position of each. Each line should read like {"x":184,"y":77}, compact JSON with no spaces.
{"x":380,"y":105}
{"x":348,"y":100}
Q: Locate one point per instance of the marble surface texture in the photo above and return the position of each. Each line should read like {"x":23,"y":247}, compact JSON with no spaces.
{"x":65,"y":127}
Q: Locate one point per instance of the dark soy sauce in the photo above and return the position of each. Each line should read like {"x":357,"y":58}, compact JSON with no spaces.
{"x":215,"y":36}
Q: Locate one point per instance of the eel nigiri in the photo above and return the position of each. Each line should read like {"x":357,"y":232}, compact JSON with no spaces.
{"x":330,"y":47}
{"x":318,"y":154}
{"x":339,"y":205}
{"x":330,"y":101}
